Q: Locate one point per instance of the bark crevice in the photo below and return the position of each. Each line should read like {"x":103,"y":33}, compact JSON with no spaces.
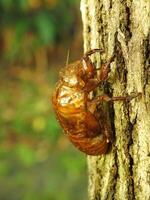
{"x":131,"y":160}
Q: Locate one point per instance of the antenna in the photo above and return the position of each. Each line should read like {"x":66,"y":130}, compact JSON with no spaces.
{"x":68,"y":55}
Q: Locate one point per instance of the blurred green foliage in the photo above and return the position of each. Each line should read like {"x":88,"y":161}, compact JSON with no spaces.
{"x":48,"y":22}
{"x":36,"y":159}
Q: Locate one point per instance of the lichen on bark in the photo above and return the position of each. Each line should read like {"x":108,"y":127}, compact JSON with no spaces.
{"x":122,"y":28}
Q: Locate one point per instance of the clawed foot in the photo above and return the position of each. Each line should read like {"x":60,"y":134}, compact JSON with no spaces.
{"x":133,"y":95}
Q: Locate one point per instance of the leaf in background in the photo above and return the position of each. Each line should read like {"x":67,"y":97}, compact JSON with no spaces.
{"x":23,"y":4}
{"x":52,"y":128}
{"x":7,"y":4}
{"x":38,"y":123}
{"x":21,"y":27}
{"x":26,"y":155}
{"x":45,"y":27}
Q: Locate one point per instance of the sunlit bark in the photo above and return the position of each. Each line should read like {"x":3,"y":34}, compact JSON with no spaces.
{"x":122,"y":27}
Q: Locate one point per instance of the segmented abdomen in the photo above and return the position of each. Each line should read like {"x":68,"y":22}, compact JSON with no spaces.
{"x":70,"y":109}
{"x":91,"y":146}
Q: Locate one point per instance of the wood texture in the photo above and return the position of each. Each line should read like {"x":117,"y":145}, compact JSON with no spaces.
{"x":123,"y":28}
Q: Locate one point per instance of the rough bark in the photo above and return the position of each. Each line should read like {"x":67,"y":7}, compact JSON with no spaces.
{"x":122,"y":27}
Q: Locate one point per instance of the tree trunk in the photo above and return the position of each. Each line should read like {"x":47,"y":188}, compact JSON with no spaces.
{"x":122,"y":27}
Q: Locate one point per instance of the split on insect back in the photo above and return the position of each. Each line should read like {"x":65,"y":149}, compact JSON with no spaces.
{"x":85,"y":120}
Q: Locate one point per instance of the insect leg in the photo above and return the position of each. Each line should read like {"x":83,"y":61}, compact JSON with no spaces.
{"x":88,"y":53}
{"x":91,"y":84}
{"x":105,"y":69}
{"x":102,"y":117}
{"x":88,"y":66}
{"x":119,"y":98}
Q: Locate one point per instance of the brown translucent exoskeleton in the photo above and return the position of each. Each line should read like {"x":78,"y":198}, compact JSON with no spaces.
{"x":87,"y":127}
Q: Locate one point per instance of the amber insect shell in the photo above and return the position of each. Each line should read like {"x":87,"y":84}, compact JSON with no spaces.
{"x":87,"y":127}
